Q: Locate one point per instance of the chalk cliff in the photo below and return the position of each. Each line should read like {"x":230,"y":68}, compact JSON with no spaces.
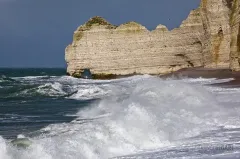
{"x":209,"y":37}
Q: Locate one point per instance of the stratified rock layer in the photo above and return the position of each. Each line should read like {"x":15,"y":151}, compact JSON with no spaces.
{"x":235,"y":34}
{"x":209,"y":37}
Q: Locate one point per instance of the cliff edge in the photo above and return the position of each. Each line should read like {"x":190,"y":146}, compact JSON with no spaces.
{"x":209,"y":37}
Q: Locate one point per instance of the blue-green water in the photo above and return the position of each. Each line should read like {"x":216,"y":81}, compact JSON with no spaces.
{"x":28,"y":102}
{"x":134,"y":117}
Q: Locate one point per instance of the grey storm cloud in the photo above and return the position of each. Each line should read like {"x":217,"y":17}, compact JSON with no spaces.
{"x":34,"y":33}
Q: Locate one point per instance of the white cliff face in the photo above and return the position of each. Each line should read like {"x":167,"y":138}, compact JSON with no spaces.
{"x":215,"y":20}
{"x":203,"y":39}
{"x":235,"y":35}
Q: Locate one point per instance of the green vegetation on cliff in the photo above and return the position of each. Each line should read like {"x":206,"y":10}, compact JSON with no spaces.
{"x":77,"y":36}
{"x":95,"y":21}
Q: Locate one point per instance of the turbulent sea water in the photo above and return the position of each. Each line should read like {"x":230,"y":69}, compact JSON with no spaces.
{"x":137,"y":117}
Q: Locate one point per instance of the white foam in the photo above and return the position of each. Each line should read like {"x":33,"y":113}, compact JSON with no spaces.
{"x":199,"y":80}
{"x":207,"y":80}
{"x":30,"y":77}
{"x":93,"y":89}
{"x":50,"y":89}
{"x":20,"y":136}
{"x":134,"y":115}
{"x":89,"y":93}
{"x":151,"y":114}
{"x":3,"y":149}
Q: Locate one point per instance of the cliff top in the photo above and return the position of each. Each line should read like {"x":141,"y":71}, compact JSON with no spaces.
{"x":95,"y":21}
{"x":132,"y":25}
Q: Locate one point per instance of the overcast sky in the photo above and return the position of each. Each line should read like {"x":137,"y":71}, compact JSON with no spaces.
{"x":34,"y":33}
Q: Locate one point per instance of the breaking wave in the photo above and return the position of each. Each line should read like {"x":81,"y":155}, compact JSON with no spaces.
{"x":5,"y":79}
{"x":53,"y":86}
{"x":134,"y":114}
{"x":48,"y":89}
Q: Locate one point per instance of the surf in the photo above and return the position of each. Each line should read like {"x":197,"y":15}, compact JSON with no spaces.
{"x":132,"y":115}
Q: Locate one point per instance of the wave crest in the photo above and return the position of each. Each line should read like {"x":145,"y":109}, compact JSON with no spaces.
{"x":133,"y":115}
{"x":148,"y":114}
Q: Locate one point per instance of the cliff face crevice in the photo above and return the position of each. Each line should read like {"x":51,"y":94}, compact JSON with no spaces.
{"x":209,"y":37}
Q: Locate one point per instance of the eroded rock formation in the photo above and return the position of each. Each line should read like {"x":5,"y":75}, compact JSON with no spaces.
{"x":209,"y":37}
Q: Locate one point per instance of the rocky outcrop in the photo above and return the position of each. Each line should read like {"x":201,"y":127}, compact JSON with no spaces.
{"x":209,"y":37}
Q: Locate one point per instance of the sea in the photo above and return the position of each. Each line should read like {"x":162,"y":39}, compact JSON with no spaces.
{"x":138,"y":117}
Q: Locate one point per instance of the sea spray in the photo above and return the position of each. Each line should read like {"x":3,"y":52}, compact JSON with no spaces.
{"x":3,"y":149}
{"x":130,"y":115}
{"x":151,"y":113}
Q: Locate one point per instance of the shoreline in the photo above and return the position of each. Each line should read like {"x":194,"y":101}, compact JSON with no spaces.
{"x":197,"y":72}
{"x":208,"y":73}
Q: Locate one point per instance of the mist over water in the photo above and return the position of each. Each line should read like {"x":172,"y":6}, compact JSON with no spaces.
{"x":135,"y":117}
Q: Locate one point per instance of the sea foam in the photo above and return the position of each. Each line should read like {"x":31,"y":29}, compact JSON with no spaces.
{"x":134,"y":115}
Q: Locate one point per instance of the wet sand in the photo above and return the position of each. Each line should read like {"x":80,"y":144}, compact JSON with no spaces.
{"x":208,"y":73}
